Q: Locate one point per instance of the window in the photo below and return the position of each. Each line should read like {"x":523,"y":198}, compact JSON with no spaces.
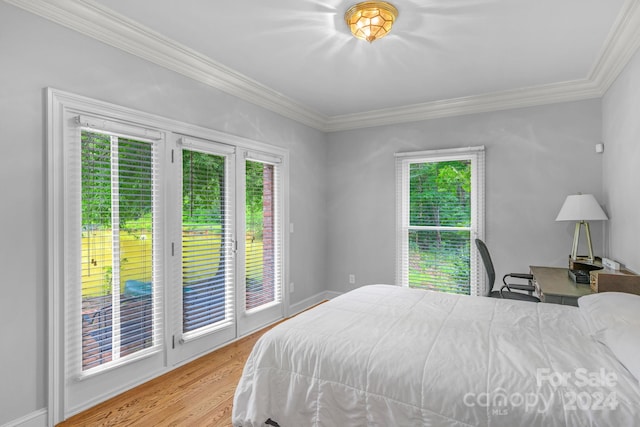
{"x":117,"y":287}
{"x":439,"y":214}
{"x":262,"y":237}
{"x":162,"y":245}
{"x":207,"y":287}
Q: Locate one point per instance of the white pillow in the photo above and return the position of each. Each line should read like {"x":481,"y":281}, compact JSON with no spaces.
{"x":608,"y":310}
{"x":614,"y":320}
{"x":624,"y":342}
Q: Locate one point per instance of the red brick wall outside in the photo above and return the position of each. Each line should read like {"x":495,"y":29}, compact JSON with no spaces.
{"x":267,"y":292}
{"x":268,"y":244}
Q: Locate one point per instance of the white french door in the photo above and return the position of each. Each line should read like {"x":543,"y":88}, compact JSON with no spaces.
{"x":203,"y":252}
{"x":228,"y":255}
{"x":161,"y":247}
{"x":260,"y":274}
{"x":111,"y":303}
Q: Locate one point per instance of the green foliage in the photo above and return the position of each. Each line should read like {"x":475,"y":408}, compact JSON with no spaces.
{"x":203,"y":183}
{"x":203,"y":187}
{"x":440,"y":196}
{"x":107,"y":284}
{"x":254,"y":191}
{"x":440,"y":193}
{"x":141,"y":223}
{"x":134,"y":180}
{"x":96,"y":188}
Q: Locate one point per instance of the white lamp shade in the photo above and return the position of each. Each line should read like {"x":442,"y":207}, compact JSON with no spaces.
{"x":581,"y":207}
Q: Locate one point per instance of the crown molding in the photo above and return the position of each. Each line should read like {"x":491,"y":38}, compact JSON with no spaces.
{"x":623,"y":41}
{"x":518,"y":98}
{"x":96,"y":21}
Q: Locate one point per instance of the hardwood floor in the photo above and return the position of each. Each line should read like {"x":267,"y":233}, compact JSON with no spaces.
{"x":197,"y":394}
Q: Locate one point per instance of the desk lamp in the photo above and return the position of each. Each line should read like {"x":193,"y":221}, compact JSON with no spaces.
{"x":581,"y":208}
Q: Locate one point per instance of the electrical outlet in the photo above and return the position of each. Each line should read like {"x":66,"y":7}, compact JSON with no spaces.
{"x":291,"y":288}
{"x":352,"y":279}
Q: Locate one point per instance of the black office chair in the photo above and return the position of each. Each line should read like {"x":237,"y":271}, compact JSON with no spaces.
{"x":506,"y":291}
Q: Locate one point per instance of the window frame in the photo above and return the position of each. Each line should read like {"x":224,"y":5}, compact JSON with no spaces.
{"x":249,"y":320}
{"x":228,"y":153}
{"x":154,"y":140}
{"x":403,"y":161}
{"x":62,"y":109}
{"x":277,"y":229}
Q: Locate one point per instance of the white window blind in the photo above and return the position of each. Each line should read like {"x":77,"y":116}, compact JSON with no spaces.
{"x":117,"y":128}
{"x":440,"y":210}
{"x":120,"y":207}
{"x":114,"y":300}
{"x":263,"y":240}
{"x":207,"y":241}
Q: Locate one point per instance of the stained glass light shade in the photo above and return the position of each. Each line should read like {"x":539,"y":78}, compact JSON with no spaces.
{"x":371,"y":20}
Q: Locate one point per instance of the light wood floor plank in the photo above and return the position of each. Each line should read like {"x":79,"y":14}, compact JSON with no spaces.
{"x":199,"y":393}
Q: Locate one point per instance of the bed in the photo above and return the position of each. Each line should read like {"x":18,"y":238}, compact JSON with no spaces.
{"x":384,"y":355}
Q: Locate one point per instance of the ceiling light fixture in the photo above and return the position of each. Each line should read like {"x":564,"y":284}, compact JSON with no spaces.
{"x":371,"y":20}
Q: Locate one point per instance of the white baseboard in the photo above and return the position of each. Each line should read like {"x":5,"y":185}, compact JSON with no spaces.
{"x":34,"y":419}
{"x":311,"y":301}
{"x":332,"y":294}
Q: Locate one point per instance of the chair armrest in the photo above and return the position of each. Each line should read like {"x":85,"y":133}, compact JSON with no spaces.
{"x":519,"y":276}
{"x":511,"y":286}
{"x":521,"y":287}
{"x":529,"y":288}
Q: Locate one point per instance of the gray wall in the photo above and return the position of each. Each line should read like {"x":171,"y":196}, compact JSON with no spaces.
{"x":342,"y":184}
{"x":621,"y":137}
{"x":535,"y":157}
{"x":36,"y":54}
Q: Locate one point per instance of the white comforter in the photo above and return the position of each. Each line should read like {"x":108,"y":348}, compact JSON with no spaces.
{"x":388,"y":356}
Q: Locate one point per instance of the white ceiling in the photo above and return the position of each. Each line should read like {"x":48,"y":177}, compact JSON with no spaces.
{"x":438,"y":49}
{"x":443,"y":57}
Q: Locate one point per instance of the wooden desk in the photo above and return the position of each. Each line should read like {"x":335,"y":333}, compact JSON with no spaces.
{"x":554,"y":285}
